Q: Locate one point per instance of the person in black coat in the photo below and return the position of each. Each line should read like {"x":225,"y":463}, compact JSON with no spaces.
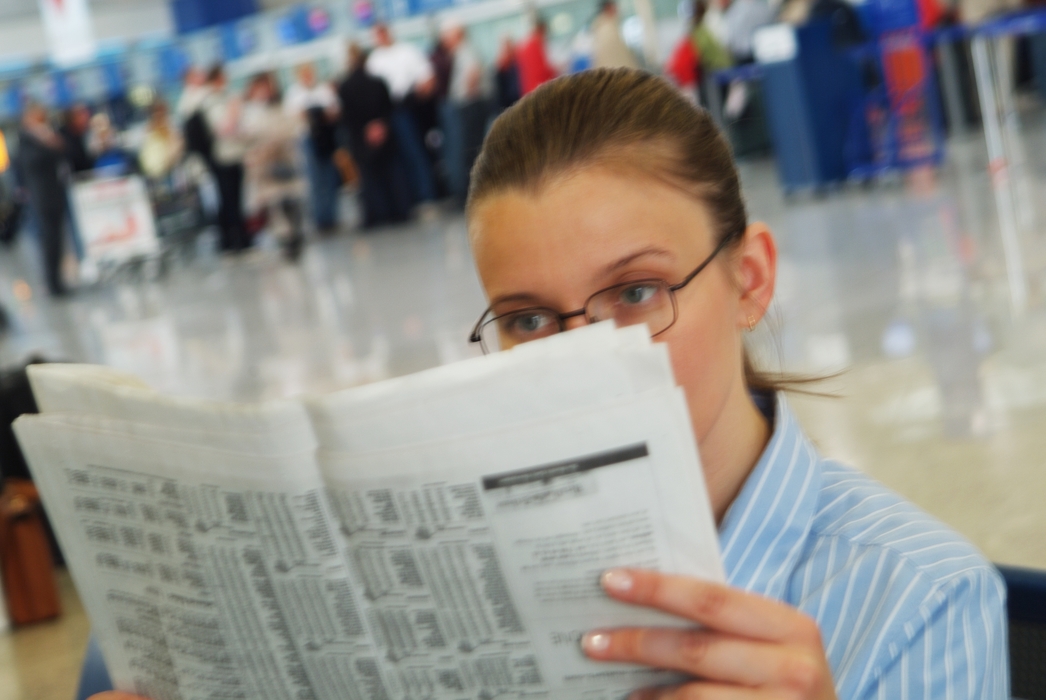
{"x":75,"y":124}
{"x":366,"y":110}
{"x":41,"y":153}
{"x":74,"y":134}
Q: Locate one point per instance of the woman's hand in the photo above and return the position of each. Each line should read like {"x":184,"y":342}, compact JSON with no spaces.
{"x":748,"y":646}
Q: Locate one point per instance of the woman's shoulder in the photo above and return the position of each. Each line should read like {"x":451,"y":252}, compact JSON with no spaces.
{"x":886,"y":580}
{"x":857,"y":512}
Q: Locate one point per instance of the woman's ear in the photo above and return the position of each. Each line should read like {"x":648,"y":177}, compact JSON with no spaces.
{"x":756,"y":274}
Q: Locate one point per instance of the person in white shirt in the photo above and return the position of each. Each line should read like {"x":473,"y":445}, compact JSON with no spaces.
{"x":315,"y":105}
{"x":409,"y":76}
{"x":609,"y":49}
{"x":307,"y":92}
{"x":273,"y":173}
{"x":741,"y":19}
{"x":223,"y":112}
{"x":466,"y":110}
{"x":193,"y":94}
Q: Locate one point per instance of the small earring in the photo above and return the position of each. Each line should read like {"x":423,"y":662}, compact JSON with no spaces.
{"x":751,"y":323}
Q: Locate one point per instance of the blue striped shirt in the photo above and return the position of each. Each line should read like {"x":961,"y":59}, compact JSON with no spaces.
{"x":907,"y":608}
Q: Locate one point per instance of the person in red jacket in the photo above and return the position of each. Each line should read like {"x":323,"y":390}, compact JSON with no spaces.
{"x":534,"y":68}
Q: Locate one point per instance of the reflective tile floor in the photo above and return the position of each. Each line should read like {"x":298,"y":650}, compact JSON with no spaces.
{"x":902,"y":286}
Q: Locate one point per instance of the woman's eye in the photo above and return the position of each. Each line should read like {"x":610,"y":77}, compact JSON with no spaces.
{"x":638,"y":294}
{"x":527,"y":324}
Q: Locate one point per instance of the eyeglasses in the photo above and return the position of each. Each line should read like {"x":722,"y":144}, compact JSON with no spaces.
{"x":649,"y":301}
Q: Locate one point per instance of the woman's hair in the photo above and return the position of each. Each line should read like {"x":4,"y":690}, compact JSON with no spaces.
{"x":621,"y":118}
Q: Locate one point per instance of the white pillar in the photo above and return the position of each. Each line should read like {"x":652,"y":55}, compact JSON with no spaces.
{"x":70,"y":35}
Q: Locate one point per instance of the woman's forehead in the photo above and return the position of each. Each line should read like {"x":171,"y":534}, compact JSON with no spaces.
{"x":596,"y":213}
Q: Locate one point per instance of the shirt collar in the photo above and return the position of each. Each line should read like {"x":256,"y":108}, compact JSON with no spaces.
{"x":763,"y":532}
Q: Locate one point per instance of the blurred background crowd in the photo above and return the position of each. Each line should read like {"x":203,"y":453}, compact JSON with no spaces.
{"x":252,"y":142}
{"x":254,"y":199}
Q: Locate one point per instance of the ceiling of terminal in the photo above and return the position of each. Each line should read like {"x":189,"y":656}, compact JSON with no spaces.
{"x":10,"y":9}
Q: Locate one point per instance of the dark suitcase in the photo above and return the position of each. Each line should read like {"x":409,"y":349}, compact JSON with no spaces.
{"x":16,"y":399}
{"x":25,"y":556}
{"x":11,"y":213}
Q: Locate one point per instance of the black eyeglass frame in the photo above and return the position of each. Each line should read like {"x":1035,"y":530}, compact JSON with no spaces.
{"x":477,"y":337}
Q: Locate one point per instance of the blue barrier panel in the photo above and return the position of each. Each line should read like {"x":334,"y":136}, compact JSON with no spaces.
{"x":64,"y":89}
{"x":1018,"y":24}
{"x":947,"y":35}
{"x":13,"y":100}
{"x":751,"y":71}
{"x":231,"y":49}
{"x":173,"y":64}
{"x":424,"y":7}
{"x":193,"y":15}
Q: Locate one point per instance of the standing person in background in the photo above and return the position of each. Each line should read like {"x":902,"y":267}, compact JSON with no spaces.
{"x":468,"y":108}
{"x":222,"y":113}
{"x":697,"y":57}
{"x":712,"y":55}
{"x":409,"y":76}
{"x":506,"y":76}
{"x":189,"y":110}
{"x":274,"y":184}
{"x":315,"y":105}
{"x":5,"y":156}
{"x":75,"y":124}
{"x":742,"y":18}
{"x":105,"y":143}
{"x":532,"y":60}
{"x":74,"y":129}
{"x":442,"y":59}
{"x":435,"y":113}
{"x":40,"y":162}
{"x":162,"y":146}
{"x":366,"y":114}
{"x":609,"y":49}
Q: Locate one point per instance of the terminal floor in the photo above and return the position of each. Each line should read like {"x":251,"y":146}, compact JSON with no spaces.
{"x":902,"y":285}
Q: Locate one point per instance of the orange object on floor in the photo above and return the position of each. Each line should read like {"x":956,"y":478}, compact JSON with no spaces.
{"x":25,"y":555}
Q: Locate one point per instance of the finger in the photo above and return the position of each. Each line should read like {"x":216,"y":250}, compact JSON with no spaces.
{"x":697,"y":691}
{"x":708,"y":655}
{"x":713,"y":605}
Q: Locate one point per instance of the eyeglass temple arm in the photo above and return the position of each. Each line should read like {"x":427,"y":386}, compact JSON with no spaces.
{"x":474,"y":337}
{"x":708,"y":261}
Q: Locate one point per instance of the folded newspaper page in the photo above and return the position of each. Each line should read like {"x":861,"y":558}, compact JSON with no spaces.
{"x":436,"y":536}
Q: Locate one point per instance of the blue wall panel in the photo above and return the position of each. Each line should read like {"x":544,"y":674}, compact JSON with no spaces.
{"x":192,"y":15}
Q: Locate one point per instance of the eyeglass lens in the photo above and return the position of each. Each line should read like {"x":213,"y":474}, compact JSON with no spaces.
{"x":629,"y":304}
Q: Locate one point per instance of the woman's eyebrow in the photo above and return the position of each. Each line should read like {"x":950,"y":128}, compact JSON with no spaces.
{"x":645,"y":252}
{"x":651,"y":251}
{"x":521,"y":296}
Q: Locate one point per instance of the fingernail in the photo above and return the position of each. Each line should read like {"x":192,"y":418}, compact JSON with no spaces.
{"x":595,"y":642}
{"x":617,"y":580}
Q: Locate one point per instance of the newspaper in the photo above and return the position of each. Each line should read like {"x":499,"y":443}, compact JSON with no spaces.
{"x":436,"y":536}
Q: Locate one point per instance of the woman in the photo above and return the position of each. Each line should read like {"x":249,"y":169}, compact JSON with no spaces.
{"x":222,"y":114}
{"x":609,"y":186}
{"x":163,"y":147}
{"x":274,"y":184}
{"x":839,"y":588}
{"x":39,"y":164}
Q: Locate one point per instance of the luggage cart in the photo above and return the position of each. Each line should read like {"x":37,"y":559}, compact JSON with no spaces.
{"x":178,"y":211}
{"x":115,"y":219}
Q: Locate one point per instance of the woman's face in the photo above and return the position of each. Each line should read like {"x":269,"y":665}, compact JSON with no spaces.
{"x":599,"y":227}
